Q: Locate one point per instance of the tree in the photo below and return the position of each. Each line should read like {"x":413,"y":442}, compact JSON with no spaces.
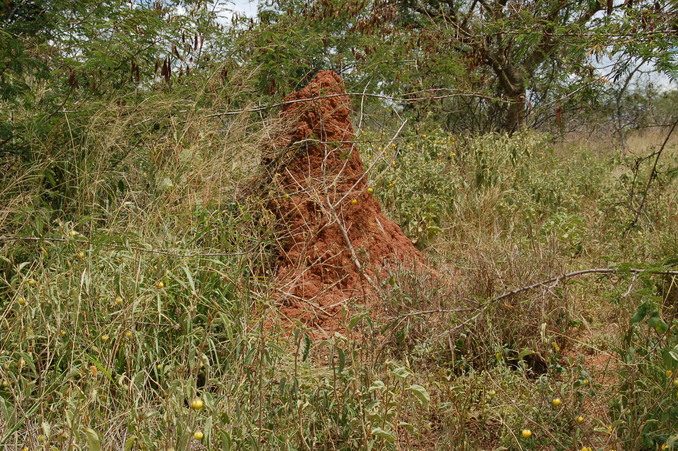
{"x":532,"y":47}
{"x":489,"y":62}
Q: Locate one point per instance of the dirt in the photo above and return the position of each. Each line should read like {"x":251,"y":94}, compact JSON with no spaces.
{"x":336,"y":244}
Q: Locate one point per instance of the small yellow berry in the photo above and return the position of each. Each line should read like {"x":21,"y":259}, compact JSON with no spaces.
{"x":5,"y":383}
{"x":159,"y":366}
{"x":423,"y":136}
{"x":586,"y":448}
{"x":394,"y":163}
{"x":526,"y":433}
{"x":80,"y":255}
{"x":675,"y":383}
{"x":354,"y":201}
{"x":669,"y":373}
{"x":370,"y":190}
{"x":128,"y":334}
{"x":491,"y":392}
{"x":105,"y":338}
{"x":556,"y":402}
{"x":391,"y":185}
{"x":665,"y":446}
{"x":580,"y":419}
{"x":197,"y":404}
{"x":62,"y":333}
{"x":41,"y":438}
{"x":118,"y":300}
{"x":72,"y":233}
{"x":198,"y":435}
{"x":32,"y":282}
{"x":21,"y":301}
{"x":585,"y":382}
{"x":160,"y":284}
{"x":25,"y":448}
{"x":286,"y":196}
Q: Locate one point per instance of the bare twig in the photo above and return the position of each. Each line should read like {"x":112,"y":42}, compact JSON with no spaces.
{"x":653,"y":175}
{"x":552,"y":280}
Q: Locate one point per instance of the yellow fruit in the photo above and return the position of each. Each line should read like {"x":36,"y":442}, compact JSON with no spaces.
{"x":118,"y":300}
{"x":32,"y":282}
{"x":160,"y":284}
{"x":556,"y":402}
{"x":80,"y":255}
{"x":72,"y":233}
{"x":354,"y":201}
{"x":286,"y":196}
{"x":585,"y":382}
{"x":675,"y":383}
{"x":370,"y":190}
{"x":665,"y":446}
{"x":21,"y":301}
{"x":159,"y":366}
{"x":5,"y":384}
{"x":198,"y":435}
{"x":393,"y":163}
{"x":128,"y":334}
{"x":423,"y":136}
{"x":104,"y":338}
{"x":526,"y":433}
{"x":669,"y":373}
{"x":586,"y":448}
{"x":580,"y":419}
{"x":197,"y":404}
{"x":391,"y":185}
{"x":491,"y":392}
{"x":62,"y":333}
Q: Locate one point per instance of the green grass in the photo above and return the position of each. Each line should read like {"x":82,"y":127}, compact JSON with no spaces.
{"x":94,"y":353}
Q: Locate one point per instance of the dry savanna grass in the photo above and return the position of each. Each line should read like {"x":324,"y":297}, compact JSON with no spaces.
{"x":137,"y":311}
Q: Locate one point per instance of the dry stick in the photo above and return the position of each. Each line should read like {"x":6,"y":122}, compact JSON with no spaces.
{"x":354,"y":256}
{"x":553,"y":280}
{"x":369,"y":169}
{"x":136,"y":248}
{"x":653,"y":175}
{"x":358,"y":94}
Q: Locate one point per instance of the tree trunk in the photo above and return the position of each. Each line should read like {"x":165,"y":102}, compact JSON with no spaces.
{"x":515,"y":117}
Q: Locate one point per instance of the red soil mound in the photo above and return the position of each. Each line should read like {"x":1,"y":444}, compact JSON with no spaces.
{"x":336,"y":241}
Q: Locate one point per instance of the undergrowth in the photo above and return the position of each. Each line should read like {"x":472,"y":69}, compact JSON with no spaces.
{"x":134,"y":279}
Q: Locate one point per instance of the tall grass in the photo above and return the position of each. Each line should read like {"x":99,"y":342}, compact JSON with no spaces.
{"x":135,"y":268}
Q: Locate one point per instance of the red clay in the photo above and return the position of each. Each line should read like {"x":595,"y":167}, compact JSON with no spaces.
{"x":331,"y":226}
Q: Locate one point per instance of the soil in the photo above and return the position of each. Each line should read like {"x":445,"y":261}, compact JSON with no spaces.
{"x":335,"y":241}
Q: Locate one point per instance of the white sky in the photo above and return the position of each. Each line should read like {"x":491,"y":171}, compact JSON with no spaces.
{"x":246,"y":7}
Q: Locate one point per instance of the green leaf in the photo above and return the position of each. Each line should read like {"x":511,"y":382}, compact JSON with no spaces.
{"x":93,"y":440}
{"x":377,"y":385}
{"x":642,"y":311}
{"x":420,"y":392}
{"x":407,"y":426}
{"x":658,"y":324}
{"x":379,"y":432}
{"x":355,"y":319}
{"x":342,"y":360}
{"x":129,"y":443}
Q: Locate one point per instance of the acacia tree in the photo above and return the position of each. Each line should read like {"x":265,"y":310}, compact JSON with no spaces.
{"x":495,"y":59}
{"x":533,"y":47}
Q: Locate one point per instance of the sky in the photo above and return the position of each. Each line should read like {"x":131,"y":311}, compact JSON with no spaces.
{"x":246,"y":7}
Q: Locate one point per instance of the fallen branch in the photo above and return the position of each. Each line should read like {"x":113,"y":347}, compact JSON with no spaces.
{"x":552,"y":280}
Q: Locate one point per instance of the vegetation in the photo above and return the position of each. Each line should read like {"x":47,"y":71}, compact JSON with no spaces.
{"x":137,"y":307}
